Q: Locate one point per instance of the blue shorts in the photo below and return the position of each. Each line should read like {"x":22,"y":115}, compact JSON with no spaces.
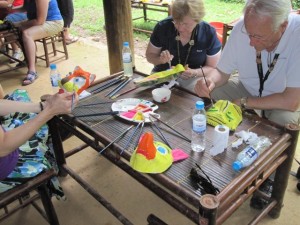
{"x":16,"y":17}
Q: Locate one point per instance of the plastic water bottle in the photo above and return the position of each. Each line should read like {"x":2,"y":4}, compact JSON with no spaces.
{"x":199,"y":127}
{"x":54,"y":77}
{"x":250,"y":153}
{"x":127,"y":60}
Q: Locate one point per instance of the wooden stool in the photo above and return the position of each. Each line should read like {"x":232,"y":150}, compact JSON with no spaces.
{"x":54,"y":53}
{"x":8,"y":35}
{"x":37,"y":183}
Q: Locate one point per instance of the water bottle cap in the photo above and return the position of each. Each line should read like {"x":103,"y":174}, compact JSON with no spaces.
{"x":53,"y":66}
{"x":199,"y":105}
{"x":126,"y":44}
{"x":237,"y":165}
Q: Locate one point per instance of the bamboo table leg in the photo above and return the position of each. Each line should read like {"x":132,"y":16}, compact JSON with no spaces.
{"x":282,"y":173}
{"x":208,"y":206}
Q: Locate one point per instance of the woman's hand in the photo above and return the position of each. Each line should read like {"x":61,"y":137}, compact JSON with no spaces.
{"x":61,"y":103}
{"x":165,"y":57}
{"x":188,"y":73}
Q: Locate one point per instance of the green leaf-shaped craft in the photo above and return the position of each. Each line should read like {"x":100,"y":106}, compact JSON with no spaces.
{"x":160,"y":77}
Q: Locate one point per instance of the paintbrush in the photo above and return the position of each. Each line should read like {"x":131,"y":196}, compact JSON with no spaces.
{"x":93,"y":104}
{"x":130,"y":138}
{"x":99,"y":114}
{"x":211,"y":100}
{"x":123,"y":93}
{"x":73,"y":96}
{"x":182,"y":136}
{"x":121,"y":86}
{"x":140,"y":134}
{"x":108,"y":84}
{"x":159,"y":130}
{"x":132,"y":89}
{"x":116,"y":139}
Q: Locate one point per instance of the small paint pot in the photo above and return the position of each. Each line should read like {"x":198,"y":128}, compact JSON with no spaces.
{"x":161,"y":94}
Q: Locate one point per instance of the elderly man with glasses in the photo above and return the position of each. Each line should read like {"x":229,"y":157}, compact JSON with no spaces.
{"x":264,"y":48}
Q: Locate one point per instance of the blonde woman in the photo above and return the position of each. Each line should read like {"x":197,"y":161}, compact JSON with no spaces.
{"x":184,"y":38}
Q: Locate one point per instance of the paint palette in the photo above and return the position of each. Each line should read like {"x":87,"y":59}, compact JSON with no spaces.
{"x":134,"y":109}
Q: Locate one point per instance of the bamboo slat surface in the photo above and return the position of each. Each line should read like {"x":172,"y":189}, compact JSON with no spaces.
{"x":177,"y":113}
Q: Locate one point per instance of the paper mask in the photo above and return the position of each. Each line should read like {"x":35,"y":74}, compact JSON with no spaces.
{"x":224,"y":113}
{"x":78,"y":81}
{"x":151,"y":156}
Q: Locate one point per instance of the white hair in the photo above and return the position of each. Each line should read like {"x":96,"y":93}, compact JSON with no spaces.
{"x":278,"y":10}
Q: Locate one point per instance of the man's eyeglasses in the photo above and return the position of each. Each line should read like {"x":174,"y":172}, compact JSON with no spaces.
{"x":204,"y":183}
{"x":257,"y":37}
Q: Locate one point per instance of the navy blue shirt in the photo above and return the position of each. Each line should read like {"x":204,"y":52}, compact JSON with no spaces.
{"x":206,"y":43}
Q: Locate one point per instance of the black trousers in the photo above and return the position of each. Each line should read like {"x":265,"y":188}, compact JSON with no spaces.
{"x":67,"y":11}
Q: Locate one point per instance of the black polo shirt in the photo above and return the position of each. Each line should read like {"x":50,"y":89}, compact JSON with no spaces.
{"x":206,"y":43}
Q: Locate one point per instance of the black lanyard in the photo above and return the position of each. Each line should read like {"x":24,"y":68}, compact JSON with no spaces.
{"x":263,"y":78}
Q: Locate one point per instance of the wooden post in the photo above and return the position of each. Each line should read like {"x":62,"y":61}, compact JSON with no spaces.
{"x":118,"y":25}
{"x":208,"y":209}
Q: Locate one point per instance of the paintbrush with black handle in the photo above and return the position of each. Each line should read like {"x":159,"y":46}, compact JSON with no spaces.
{"x":181,"y":135}
{"x":108,"y":84}
{"x":211,"y":100}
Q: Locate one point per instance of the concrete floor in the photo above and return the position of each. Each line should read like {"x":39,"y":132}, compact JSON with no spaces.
{"x":131,"y":198}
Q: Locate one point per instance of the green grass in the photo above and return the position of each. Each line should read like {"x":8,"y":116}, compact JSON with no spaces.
{"x":216,"y":10}
{"x":89,"y":16}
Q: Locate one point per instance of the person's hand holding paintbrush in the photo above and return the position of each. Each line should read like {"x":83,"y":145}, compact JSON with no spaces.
{"x":59,"y":103}
{"x":204,"y":86}
{"x":166,"y":57}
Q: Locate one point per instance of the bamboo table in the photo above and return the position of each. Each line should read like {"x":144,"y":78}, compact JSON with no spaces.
{"x":175,"y":186}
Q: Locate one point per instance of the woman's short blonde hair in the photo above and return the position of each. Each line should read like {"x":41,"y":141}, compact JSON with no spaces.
{"x":193,"y":8}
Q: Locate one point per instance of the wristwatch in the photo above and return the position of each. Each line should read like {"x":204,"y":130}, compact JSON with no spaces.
{"x":243,"y":102}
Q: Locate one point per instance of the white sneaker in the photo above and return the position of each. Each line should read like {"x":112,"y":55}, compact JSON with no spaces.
{"x":17,"y":55}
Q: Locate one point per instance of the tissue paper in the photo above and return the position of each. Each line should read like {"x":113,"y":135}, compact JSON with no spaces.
{"x":220,"y":139}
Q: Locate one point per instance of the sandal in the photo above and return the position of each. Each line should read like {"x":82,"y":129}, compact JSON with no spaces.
{"x":71,"y":40}
{"x":30,"y":78}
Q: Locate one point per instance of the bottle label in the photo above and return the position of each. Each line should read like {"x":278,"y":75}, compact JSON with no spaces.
{"x":251,"y":152}
{"x":54,"y":81}
{"x":127,"y":57}
{"x":199,"y":126}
